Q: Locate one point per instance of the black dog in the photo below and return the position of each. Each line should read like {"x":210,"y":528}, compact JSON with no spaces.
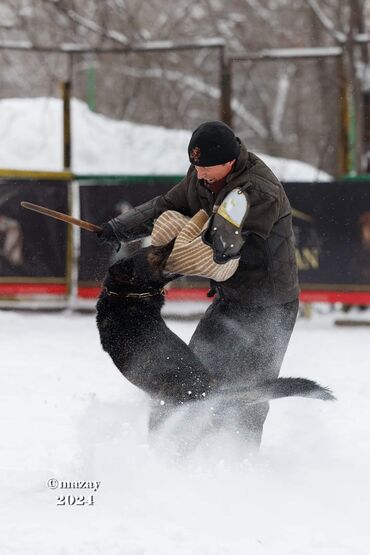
{"x":134,"y":334}
{"x":152,"y":357}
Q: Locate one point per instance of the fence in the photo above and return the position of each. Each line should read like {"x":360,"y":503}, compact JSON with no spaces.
{"x":44,"y":263}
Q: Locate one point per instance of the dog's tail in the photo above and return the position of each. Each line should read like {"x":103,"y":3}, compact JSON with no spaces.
{"x":278,"y":388}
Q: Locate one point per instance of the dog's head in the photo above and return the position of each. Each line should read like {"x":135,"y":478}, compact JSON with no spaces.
{"x":142,"y":272}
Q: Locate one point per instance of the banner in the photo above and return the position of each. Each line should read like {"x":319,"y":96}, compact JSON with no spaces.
{"x":33,"y":248}
{"x":331,"y":225}
{"x":332,"y":233}
{"x":103,"y":200}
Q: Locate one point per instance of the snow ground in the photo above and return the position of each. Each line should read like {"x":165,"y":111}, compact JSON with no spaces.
{"x":67,"y":413}
{"x":100,"y":145}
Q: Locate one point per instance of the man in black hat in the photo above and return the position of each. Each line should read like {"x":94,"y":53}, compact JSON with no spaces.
{"x":243,"y":336}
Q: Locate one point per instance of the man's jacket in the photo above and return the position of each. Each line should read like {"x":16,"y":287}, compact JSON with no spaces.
{"x":267,"y":272}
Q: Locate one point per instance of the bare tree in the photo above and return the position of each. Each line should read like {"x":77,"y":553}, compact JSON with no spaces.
{"x":283,"y":108}
{"x":347,"y":24}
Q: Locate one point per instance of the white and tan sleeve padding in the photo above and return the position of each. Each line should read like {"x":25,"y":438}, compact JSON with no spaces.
{"x":190,"y":256}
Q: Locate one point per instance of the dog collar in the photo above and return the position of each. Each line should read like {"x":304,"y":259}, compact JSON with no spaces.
{"x":134,"y":295}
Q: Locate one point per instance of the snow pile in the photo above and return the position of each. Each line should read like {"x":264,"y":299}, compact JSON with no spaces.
{"x":32,"y":139}
{"x":67,"y":413}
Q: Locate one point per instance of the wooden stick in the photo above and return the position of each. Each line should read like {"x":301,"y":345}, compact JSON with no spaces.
{"x":63,"y":217}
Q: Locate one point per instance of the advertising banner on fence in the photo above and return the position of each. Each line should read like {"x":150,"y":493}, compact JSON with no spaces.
{"x":33,"y":248}
{"x":332,"y":231}
{"x":102,"y":200}
{"x":331,"y":224}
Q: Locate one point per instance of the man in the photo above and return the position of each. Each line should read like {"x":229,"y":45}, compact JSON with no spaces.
{"x":243,"y":336}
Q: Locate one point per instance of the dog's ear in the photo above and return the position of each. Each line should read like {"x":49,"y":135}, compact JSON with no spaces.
{"x":157,"y":256}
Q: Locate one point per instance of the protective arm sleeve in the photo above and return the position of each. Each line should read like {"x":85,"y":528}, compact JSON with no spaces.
{"x":241,"y":212}
{"x":139,"y":221}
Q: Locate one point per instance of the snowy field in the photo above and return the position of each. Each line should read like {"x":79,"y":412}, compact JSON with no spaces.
{"x":67,"y":413}
{"x":33,"y":130}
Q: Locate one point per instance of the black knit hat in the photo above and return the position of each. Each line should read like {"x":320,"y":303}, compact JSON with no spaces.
{"x":213,"y":143}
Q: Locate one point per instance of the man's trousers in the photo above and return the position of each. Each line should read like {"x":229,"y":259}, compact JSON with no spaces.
{"x":240,"y":346}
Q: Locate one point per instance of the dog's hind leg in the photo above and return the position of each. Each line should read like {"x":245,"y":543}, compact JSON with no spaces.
{"x":181,"y":428}
{"x":159,"y":413}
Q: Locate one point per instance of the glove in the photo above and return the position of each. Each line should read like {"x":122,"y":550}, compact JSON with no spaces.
{"x":108,"y":237}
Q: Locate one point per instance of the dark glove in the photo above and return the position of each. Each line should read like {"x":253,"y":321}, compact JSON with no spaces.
{"x":108,"y":237}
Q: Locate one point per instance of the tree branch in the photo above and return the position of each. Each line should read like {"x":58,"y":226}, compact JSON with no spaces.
{"x":280,"y":102}
{"x":201,"y":87}
{"x":83,"y":21}
{"x":326,"y":22}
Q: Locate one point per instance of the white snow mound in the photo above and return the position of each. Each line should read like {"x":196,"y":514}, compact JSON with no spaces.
{"x":32,"y":140}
